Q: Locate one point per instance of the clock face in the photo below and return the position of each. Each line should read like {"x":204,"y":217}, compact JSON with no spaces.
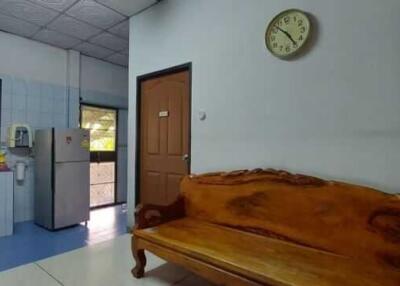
{"x":287,"y":33}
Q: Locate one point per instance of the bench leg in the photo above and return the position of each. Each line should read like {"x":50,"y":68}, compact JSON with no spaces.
{"x":140,"y":258}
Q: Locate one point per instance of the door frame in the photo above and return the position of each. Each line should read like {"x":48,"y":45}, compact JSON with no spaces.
{"x":139,"y":79}
{"x":116,"y":150}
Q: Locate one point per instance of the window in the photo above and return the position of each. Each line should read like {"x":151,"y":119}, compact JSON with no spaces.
{"x":102,"y":124}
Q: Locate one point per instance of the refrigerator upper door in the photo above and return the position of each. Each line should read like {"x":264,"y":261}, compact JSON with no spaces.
{"x":72,"y":145}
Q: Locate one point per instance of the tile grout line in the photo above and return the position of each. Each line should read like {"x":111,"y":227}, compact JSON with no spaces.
{"x":58,"y":281}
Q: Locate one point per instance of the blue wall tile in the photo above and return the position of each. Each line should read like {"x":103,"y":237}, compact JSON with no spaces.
{"x":46,"y":119}
{"x":35,"y":88}
{"x":19,"y":87}
{"x":6,"y":117}
{"x":33,"y":118}
{"x":18,"y":116}
{"x":40,"y":105}
{"x":46,"y":102}
{"x":43,"y":105}
{"x":59,"y":120}
{"x":19,"y":102}
{"x":60,"y":105}
{"x":7,"y":82}
{"x":6,"y":100}
{"x":73,"y":107}
{"x":33,"y":102}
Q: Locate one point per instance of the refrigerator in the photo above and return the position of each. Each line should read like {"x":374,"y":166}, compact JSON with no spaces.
{"x":62,"y":177}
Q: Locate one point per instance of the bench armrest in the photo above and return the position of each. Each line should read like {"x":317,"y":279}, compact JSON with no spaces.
{"x":148,"y":215}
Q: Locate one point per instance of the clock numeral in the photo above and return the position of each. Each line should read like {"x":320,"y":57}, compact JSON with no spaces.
{"x":301,"y":38}
{"x":281,"y":48}
{"x":295,"y":45}
{"x":286,"y":19}
{"x":300,"y":22}
{"x":287,"y":49}
{"x":280,"y":23}
{"x":302,"y":29}
{"x":294,"y":19}
{"x":274,"y":30}
{"x":273,"y":38}
{"x":275,"y":45}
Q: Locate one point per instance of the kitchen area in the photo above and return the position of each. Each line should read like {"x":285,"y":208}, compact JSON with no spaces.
{"x":63,"y":162}
{"x":63,"y":127}
{"x":63,"y":218}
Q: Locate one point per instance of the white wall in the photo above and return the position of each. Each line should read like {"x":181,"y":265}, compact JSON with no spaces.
{"x":103,"y":83}
{"x":32,"y":60}
{"x":332,"y":113}
{"x":103,"y":77}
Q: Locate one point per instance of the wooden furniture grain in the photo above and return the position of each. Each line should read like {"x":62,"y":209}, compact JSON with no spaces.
{"x":268,"y":227}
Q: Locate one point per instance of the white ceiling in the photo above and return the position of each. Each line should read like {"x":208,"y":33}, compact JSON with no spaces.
{"x":96,"y":28}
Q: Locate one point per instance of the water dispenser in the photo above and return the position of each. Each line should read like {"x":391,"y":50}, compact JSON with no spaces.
{"x":19,"y":136}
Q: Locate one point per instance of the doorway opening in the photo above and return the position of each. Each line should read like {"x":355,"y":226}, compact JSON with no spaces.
{"x":103,"y":125}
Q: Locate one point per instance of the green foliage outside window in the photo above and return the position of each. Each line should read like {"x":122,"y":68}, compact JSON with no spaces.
{"x":102,"y":125}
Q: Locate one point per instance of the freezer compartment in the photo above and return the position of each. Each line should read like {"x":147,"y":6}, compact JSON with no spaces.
{"x":71,"y":145}
{"x":72,"y":193}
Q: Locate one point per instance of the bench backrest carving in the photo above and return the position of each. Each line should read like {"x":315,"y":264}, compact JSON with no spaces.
{"x":340,"y":218}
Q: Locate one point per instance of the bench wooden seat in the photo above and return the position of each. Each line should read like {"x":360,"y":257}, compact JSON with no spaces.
{"x":276,"y":262}
{"x":259,"y":228}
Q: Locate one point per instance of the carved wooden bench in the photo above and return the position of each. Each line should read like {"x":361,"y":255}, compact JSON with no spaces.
{"x":267,"y":227}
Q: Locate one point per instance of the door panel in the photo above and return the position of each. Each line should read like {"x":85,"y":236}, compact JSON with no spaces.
{"x":164,"y":131}
{"x":102,"y":184}
{"x":152,"y":181}
{"x":153,"y":125}
{"x":175,"y":124}
{"x":173,"y":182}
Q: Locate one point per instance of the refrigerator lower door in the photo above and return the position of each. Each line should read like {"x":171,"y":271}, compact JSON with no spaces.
{"x":71,"y":196}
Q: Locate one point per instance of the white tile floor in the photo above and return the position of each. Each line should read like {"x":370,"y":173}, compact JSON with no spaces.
{"x":103,"y":264}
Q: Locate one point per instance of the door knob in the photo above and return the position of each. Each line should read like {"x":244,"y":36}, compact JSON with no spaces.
{"x":185,"y":157}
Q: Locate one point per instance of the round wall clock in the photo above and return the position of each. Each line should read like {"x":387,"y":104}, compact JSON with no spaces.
{"x":288,"y":33}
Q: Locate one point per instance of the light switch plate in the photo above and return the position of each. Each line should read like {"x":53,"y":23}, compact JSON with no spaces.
{"x":202,"y":115}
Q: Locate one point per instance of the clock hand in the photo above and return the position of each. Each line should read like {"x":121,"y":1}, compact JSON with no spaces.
{"x":287,"y":34}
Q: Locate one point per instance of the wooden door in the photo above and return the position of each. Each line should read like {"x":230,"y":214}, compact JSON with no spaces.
{"x":164,"y":136}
